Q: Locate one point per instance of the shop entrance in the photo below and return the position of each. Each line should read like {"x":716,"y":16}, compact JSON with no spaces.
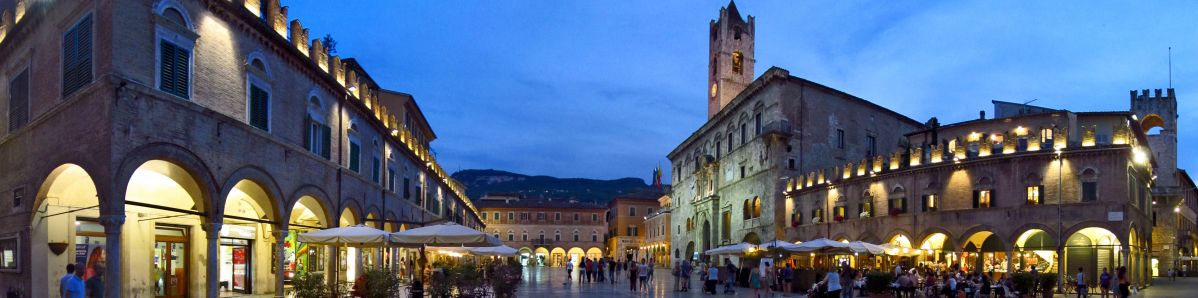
{"x":236,"y":256}
{"x":170,"y":261}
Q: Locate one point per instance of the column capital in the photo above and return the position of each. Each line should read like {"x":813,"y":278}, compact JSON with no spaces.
{"x":213,"y":229}
{"x":112,"y":223}
{"x":279,"y":234}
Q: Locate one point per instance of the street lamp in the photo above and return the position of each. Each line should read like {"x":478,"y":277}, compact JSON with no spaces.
{"x":1060,"y":225}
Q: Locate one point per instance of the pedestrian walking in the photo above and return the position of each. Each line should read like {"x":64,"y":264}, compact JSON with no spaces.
{"x":643,"y":274}
{"x":1081,"y":284}
{"x":70,"y":285}
{"x":632,"y":276}
{"x":677,"y":273}
{"x":569,"y":270}
{"x":686,"y":275}
{"x":1104,"y":282}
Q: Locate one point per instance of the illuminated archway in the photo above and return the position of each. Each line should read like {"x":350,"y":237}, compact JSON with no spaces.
{"x":1037,"y":248}
{"x":984,"y":251}
{"x":307,"y":214}
{"x":594,"y":253}
{"x":575,"y":254}
{"x":349,"y":256}
{"x":936,"y":249}
{"x":1151,"y":122}
{"x":557,"y":256}
{"x":1091,"y":249}
{"x":66,"y":213}
{"x":248,"y":213}
{"x":169,"y":197}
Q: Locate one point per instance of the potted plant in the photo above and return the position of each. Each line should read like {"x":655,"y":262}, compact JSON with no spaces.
{"x":309,"y":285}
{"x":1048,"y":282}
{"x":1022,"y":282}
{"x":878,"y":282}
{"x":504,"y":280}
{"x":380,"y":284}
{"x":895,"y":211}
{"x":838,"y":218}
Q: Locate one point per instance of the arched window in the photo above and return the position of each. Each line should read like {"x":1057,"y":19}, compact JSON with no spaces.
{"x":175,"y":41}
{"x":756,"y":207}
{"x":746,"y":210}
{"x":258,"y":92}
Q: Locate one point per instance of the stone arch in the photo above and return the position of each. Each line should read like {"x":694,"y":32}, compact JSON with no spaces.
{"x":354,"y":212}
{"x":51,"y":176}
{"x":66,"y":194}
{"x":841,"y":236}
{"x":261,"y":58}
{"x":1117,"y":228}
{"x":174,"y":154}
{"x":1032,"y":178}
{"x":391,"y":223}
{"x":162,"y":5}
{"x":371,"y":219}
{"x":984,"y":182}
{"x":1151,"y":121}
{"x":949,"y":239}
{"x":263,"y":180}
{"x":1014,"y":236}
{"x":964,"y":241}
{"x":751,"y":238}
{"x":868,"y":237}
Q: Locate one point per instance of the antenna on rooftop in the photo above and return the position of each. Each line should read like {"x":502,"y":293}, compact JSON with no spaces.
{"x":1170,"y":67}
{"x":1030,"y":101}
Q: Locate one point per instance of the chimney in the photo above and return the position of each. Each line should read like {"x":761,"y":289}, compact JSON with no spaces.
{"x":982,"y":115}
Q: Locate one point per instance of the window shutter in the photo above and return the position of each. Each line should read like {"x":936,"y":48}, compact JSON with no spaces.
{"x":259,"y":103}
{"x":353,"y":157}
{"x":308,"y":131}
{"x":976,"y":196}
{"x":18,"y":101}
{"x":1040,"y":190}
{"x":166,"y":55}
{"x":182,"y":68}
{"x":76,"y":57}
{"x":325,"y":135}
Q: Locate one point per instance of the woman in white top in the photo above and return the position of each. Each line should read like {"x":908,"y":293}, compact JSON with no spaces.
{"x":832,"y":281}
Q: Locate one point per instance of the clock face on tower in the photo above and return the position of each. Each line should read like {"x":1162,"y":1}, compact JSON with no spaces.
{"x":712,"y":90}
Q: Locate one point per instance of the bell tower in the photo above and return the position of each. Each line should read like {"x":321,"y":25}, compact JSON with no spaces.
{"x":1157,"y":112}
{"x":730,"y":60}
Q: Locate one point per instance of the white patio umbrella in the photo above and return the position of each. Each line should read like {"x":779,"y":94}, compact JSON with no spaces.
{"x":779,"y":244}
{"x":822,"y":246}
{"x":738,"y":249}
{"x":447,"y":234}
{"x":502,"y":251}
{"x":867,"y":248}
{"x":355,"y":236}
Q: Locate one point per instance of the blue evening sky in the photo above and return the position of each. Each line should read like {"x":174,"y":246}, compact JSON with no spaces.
{"x":605,"y":89}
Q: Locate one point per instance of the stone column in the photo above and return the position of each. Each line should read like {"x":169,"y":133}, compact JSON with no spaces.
{"x":112,"y":247}
{"x":280,"y":268}
{"x":1061,"y":273}
{"x":213,"y":266}
{"x":1010,"y":266}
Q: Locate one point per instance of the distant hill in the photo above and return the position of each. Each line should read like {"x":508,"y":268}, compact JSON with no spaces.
{"x":481,"y":182}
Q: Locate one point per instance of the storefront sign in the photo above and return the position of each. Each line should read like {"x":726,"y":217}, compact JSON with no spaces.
{"x":236,"y":231}
{"x":1114,"y":216}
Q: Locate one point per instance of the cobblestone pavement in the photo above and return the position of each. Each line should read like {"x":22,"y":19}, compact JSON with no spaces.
{"x":1164,"y":288}
{"x":551,"y":283}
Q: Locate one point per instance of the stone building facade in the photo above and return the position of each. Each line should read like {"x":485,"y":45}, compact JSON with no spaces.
{"x":656,"y":246}
{"x":726,"y":173}
{"x":626,"y":223}
{"x":546,"y":231}
{"x":169,"y":139}
{"x":789,"y":159}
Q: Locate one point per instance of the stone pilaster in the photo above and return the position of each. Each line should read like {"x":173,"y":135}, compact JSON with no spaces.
{"x":212,"y":267}
{"x":112,"y":245}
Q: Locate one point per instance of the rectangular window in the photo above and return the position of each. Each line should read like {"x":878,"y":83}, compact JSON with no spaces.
{"x":981,"y":199}
{"x":375,"y":171}
{"x":173,"y":68}
{"x":407,"y":190}
{"x":1034,"y":193}
{"x":742,"y":172}
{"x":743,"y":136}
{"x":509,"y":237}
{"x":757,"y":124}
{"x":259,"y":108}
{"x":898,"y":205}
{"x":18,"y":101}
{"x":576,"y":217}
{"x":838,"y":213}
{"x":523,"y":215}
{"x":495,"y":215}
{"x":595,"y":217}
{"x":719,"y":149}
{"x":1089,"y":191}
{"x":839,"y":139}
{"x":557,"y":216}
{"x":790,"y":164}
{"x":540,"y":215}
{"x":355,"y":152}
{"x":929,"y":202}
{"x":594,"y":238}
{"x":77,"y":57}
{"x":729,"y":142}
{"x":871,"y":145}
{"x":17,"y":196}
{"x":631,"y":211}
{"x":511,"y":216}
{"x":9,"y":252}
{"x":484,"y":215}
{"x":391,"y":179}
{"x":649,"y":211}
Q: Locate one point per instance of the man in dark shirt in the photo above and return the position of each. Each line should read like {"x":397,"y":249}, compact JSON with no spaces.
{"x":95,"y":284}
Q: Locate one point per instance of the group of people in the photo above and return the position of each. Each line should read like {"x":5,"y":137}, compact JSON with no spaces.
{"x":927,"y":282}
{"x":72,"y":285}
{"x":603,"y":270}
